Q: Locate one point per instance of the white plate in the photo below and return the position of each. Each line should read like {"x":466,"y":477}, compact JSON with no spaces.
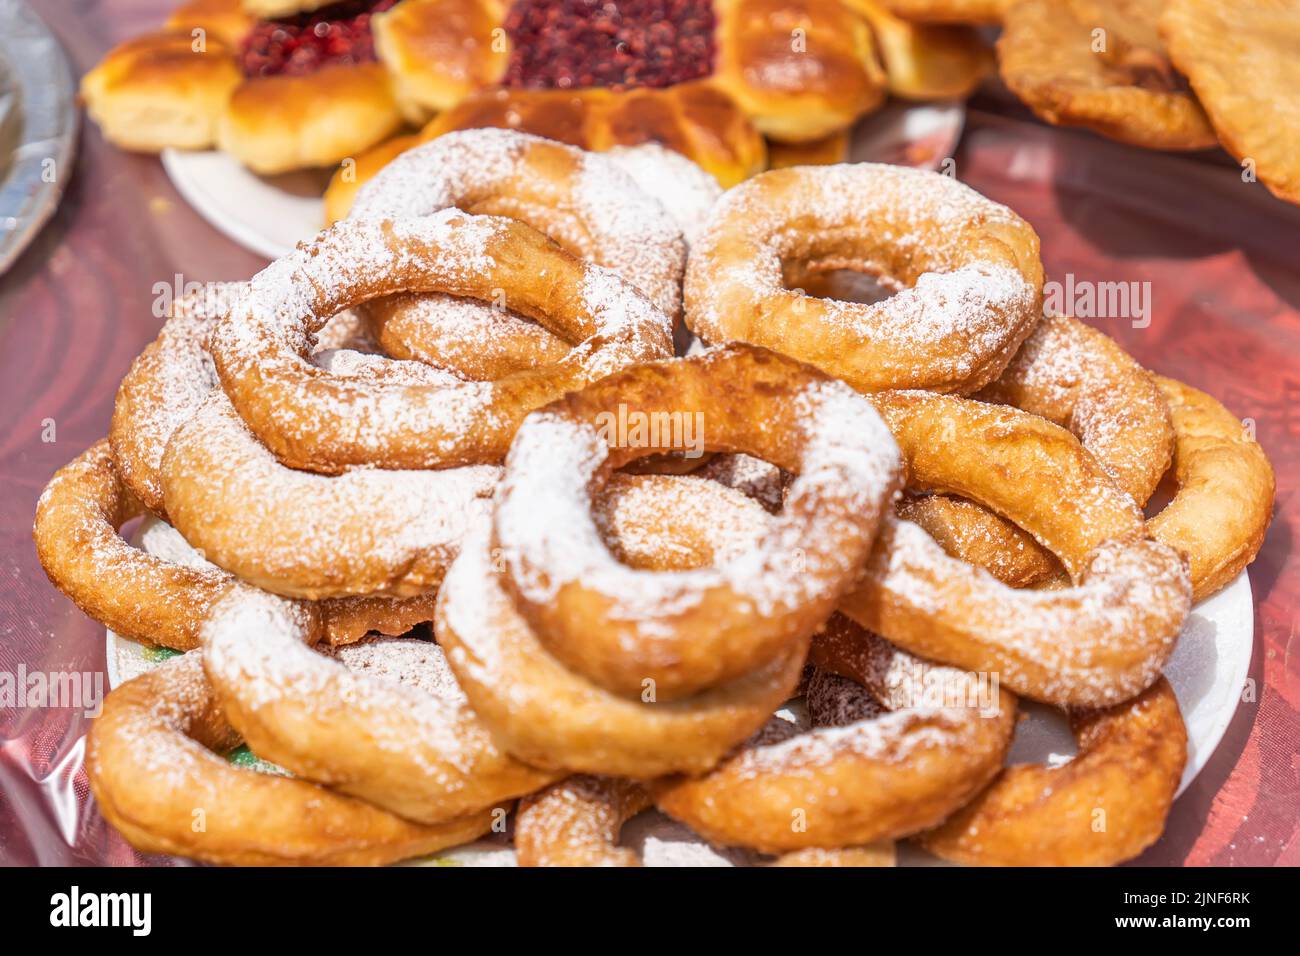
{"x":1208,"y":673}
{"x":270,"y":215}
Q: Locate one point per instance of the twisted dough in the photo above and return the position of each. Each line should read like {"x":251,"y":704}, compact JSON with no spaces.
{"x":422,"y":756}
{"x":576,"y":822}
{"x":967,"y":269}
{"x":321,"y":422}
{"x":151,"y":766}
{"x":689,"y":630}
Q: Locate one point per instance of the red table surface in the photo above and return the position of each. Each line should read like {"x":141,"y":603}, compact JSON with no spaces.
{"x":1222,"y":257}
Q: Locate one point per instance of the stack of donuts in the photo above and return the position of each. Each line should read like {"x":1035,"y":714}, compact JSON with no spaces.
{"x":549,"y":486}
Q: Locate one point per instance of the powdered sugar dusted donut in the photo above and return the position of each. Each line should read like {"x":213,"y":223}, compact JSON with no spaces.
{"x":967,"y":270}
{"x":679,"y":183}
{"x":680,"y":632}
{"x":321,"y":422}
{"x":422,"y":755}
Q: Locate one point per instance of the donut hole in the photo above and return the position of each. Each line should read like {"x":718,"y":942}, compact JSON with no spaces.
{"x":841,"y":282}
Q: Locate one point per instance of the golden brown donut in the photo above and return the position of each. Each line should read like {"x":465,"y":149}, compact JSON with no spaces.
{"x":967,"y":268}
{"x":1224,"y":501}
{"x":1100,"y":64}
{"x":156,"y":779}
{"x":583,"y":201}
{"x":368,"y":531}
{"x":314,"y":420}
{"x":682,"y":632}
{"x":440,"y":51}
{"x":1240,"y":58}
{"x":875,"y":779}
{"x":801,"y":69}
{"x":1129,"y":596}
{"x":150,"y":597}
{"x":1103,"y":807}
{"x":350,"y":177}
{"x":926,"y":61}
{"x":423,"y":756}
{"x":576,"y":822}
{"x":157,"y":91}
{"x":551,"y":717}
{"x":1071,"y":374}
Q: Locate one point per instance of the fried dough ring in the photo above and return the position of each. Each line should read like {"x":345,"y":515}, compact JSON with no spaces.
{"x":424,"y":757}
{"x":1129,"y":596}
{"x":151,"y":769}
{"x":155,"y":599}
{"x":1240,"y":58}
{"x":1225,"y":490}
{"x":300,"y":534}
{"x":971,"y":281}
{"x":1128,"y":91}
{"x":686,"y":631}
{"x":876,"y":779}
{"x":584,"y":201}
{"x":576,"y":822}
{"x":1131,"y":757}
{"x":1071,"y":374}
{"x":316,"y":421}
{"x":551,"y":717}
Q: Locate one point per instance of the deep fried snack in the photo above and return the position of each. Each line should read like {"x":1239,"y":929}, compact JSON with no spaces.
{"x":1100,"y":64}
{"x":1071,"y":374}
{"x":321,"y":422}
{"x":576,"y":822}
{"x":159,"y":598}
{"x":878,"y":854}
{"x":1240,"y":57}
{"x":967,"y":268}
{"x":423,"y":756}
{"x":551,"y":717}
{"x":800,"y":69}
{"x":584,"y":201}
{"x":876,"y":779}
{"x":683,"y":632}
{"x":1105,"y":806}
{"x":925,"y":61}
{"x":368,"y":531}
{"x":151,"y":766}
{"x":949,"y":11}
{"x":1129,"y":594}
{"x":1224,"y":501}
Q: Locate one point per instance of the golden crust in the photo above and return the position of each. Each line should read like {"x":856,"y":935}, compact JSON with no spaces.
{"x":878,"y":854}
{"x":1241,"y":58}
{"x":421,"y":755}
{"x":224,"y":19}
{"x":926,"y":61}
{"x":876,"y":779}
{"x":949,"y":11}
{"x":817,"y":152}
{"x":720,"y":623}
{"x":440,"y":51}
{"x":1224,"y":502}
{"x":1105,"y":806}
{"x":151,"y":767}
{"x":357,"y":170}
{"x":1126,"y":90}
{"x":576,"y":822}
{"x":1130,"y":597}
{"x":801,"y":69}
{"x":277,"y":123}
{"x":969,"y":269}
{"x":158,"y":91}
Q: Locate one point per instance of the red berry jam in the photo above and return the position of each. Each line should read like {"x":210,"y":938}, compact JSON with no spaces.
{"x":302,"y":44}
{"x":566,"y":44}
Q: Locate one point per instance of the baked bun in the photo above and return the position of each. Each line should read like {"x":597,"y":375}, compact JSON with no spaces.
{"x":440,"y":51}
{"x":276,"y":123}
{"x":159,"y":90}
{"x":801,"y":69}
